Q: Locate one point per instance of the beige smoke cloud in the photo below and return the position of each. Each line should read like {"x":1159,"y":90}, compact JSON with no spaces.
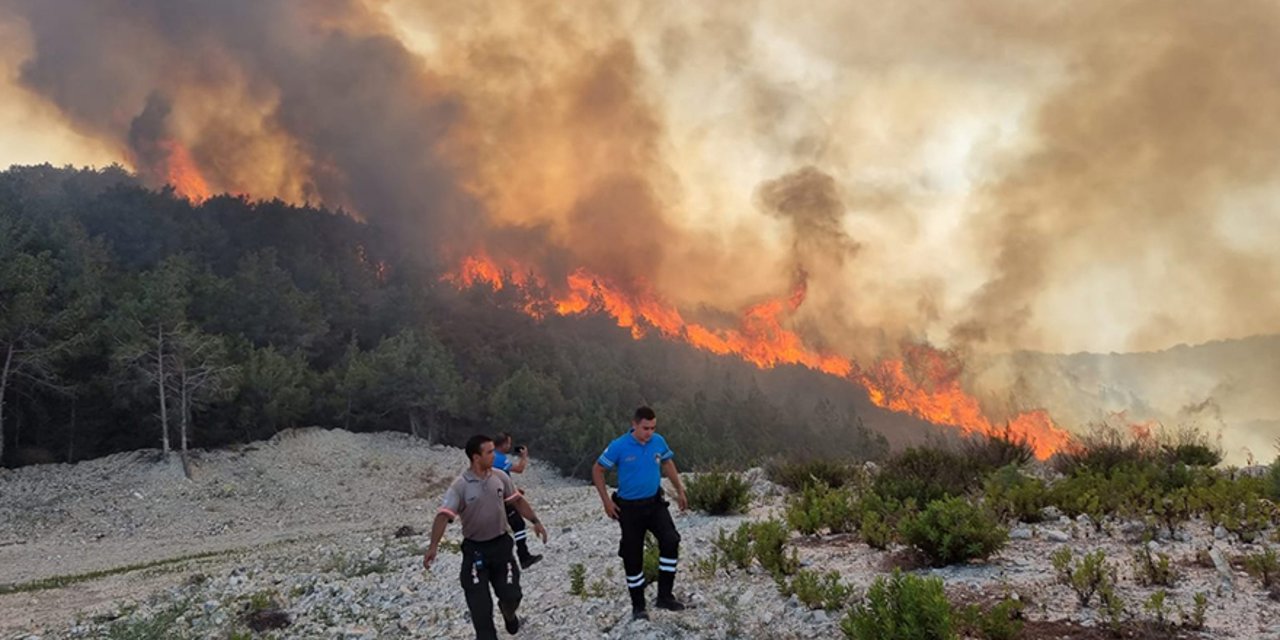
{"x":1014,"y":175}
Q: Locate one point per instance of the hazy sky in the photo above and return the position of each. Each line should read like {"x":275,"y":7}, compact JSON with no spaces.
{"x":988,"y":175}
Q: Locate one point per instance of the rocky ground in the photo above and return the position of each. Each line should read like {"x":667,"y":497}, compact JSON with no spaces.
{"x":306,"y":525}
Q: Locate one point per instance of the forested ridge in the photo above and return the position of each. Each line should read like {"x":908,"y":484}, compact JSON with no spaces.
{"x":124,"y":311}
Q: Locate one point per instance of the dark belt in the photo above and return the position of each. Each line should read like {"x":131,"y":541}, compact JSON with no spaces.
{"x":483,"y":543}
{"x":653,"y":499}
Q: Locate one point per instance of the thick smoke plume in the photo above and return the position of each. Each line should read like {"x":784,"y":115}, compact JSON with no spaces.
{"x":987,"y":176}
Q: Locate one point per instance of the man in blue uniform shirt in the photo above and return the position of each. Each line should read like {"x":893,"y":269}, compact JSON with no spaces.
{"x":641,"y":458}
{"x":503,"y":461}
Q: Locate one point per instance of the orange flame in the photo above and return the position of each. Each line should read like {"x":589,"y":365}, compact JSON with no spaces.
{"x":925,"y":383}
{"x":179,"y":170}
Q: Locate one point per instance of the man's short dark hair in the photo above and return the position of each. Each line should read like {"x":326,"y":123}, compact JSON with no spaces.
{"x":474,"y":445}
{"x":644,"y":413}
{"x":501,"y":438}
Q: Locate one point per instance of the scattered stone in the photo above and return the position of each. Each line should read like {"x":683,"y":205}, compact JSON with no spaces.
{"x":1020,"y":533}
{"x":1053,"y":535}
{"x":406,"y":531}
{"x":1224,"y":569}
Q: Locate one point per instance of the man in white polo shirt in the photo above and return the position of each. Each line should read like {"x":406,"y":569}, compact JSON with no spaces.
{"x":480,"y":497}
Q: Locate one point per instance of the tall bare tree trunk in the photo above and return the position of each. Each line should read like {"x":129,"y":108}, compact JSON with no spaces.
{"x":4,"y":383}
{"x":71,"y":436}
{"x":185,"y":398}
{"x":164,"y":410}
{"x":413,"y":423}
{"x":433,"y":430}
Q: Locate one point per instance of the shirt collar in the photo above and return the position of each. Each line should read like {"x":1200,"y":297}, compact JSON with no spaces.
{"x":470,"y":476}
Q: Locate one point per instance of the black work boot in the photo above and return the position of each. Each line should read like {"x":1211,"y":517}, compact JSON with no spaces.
{"x":669,"y":603}
{"x":510,"y":619}
{"x":637,"y":603}
{"x":528,"y":560}
{"x":666,"y":599}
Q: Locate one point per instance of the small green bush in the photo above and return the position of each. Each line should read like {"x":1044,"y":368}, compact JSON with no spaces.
{"x":819,"y":591}
{"x":735,"y":547}
{"x":1191,"y":447}
{"x":1194,"y":455}
{"x":796,"y":475}
{"x":1001,"y":622}
{"x":953,"y":531}
{"x":925,"y":474}
{"x":1172,"y":508}
{"x":162,"y":625}
{"x":1153,"y":569}
{"x":902,"y":607}
{"x":1087,"y":577}
{"x":1263,"y":565}
{"x":878,"y":522}
{"x":1237,"y":504}
{"x":1085,"y":493}
{"x":820,"y":508}
{"x":763,"y":542}
{"x":578,"y":580}
{"x":1195,"y":619}
{"x":262,"y":600}
{"x":1102,"y":449}
{"x":1011,"y":495}
{"x":1157,"y":605}
{"x":986,"y":453}
{"x":768,"y":540}
{"x":1114,"y":612}
{"x":719,"y":493}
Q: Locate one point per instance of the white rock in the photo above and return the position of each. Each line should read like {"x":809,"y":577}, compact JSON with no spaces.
{"x":1053,"y":535}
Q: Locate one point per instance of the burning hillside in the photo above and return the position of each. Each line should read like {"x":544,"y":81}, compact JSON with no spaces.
{"x":925,"y":383}
{"x":991,"y":177}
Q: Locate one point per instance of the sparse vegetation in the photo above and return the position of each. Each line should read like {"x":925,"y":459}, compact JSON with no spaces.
{"x":1153,"y":569}
{"x":58,"y":582}
{"x":953,"y":531}
{"x":735,"y":547}
{"x":719,"y":493}
{"x":1264,"y":565}
{"x":768,"y":540}
{"x":904,"y":607}
{"x":762,"y":542}
{"x":161,"y":625}
{"x":796,"y":475}
{"x":578,"y":580}
{"x":1011,"y":495}
{"x":1087,"y":577}
{"x":1003,"y":621}
{"x":818,"y":590}
{"x":820,"y":508}
{"x":1195,"y":619}
{"x":995,"y":451}
{"x":925,"y":474}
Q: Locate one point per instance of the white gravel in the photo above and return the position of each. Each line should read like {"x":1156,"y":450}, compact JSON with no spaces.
{"x":308,"y":518}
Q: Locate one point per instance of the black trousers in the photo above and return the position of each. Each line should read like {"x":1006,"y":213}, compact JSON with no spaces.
{"x":486,"y":564}
{"x":636,"y":517}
